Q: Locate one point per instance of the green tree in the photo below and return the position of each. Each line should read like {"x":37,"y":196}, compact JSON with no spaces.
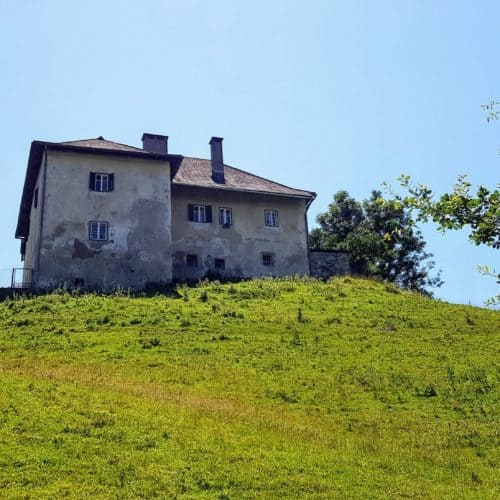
{"x":478,"y":211}
{"x":380,"y":238}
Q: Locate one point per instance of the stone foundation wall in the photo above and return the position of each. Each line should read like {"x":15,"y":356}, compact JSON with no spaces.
{"x":327,"y":264}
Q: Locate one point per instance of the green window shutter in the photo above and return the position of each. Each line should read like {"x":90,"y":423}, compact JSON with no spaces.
{"x":190,"y":212}
{"x":111,"y":182}
{"x":92,"y":181}
{"x":208,"y":213}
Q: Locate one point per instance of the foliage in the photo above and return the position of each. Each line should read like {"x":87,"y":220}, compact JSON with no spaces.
{"x":380,"y":238}
{"x":492,"y":114}
{"x":479,"y":211}
{"x":368,"y":392}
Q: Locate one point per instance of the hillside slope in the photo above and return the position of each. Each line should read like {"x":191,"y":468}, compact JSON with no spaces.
{"x":270,"y":388}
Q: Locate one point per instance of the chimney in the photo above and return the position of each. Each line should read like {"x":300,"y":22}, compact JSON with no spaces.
{"x":216,"y":158}
{"x":155,"y":143}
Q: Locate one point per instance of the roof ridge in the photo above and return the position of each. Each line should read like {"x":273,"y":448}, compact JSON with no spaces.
{"x":80,"y":140}
{"x":101,"y":138}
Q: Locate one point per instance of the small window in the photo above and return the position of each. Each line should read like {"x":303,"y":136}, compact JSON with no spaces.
{"x":101,"y":182}
{"x":35,"y":198}
{"x":268,"y":259}
{"x":220,"y":264}
{"x":225,"y":216}
{"x":98,"y":231}
{"x":200,"y":213}
{"x":271,"y":218}
{"x":191,"y":260}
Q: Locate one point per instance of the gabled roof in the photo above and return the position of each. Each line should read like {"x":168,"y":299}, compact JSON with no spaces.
{"x":185,"y":171}
{"x":197,"y":172}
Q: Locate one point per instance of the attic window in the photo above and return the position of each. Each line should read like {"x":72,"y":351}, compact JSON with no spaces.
{"x":35,"y":198}
{"x":101,"y":182}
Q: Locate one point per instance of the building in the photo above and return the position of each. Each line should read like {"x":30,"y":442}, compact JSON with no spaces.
{"x":99,"y":214}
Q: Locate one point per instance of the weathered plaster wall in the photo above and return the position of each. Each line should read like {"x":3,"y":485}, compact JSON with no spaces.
{"x":138,"y":250}
{"x":327,"y":264}
{"x":242,"y":244}
{"x":32,"y":243}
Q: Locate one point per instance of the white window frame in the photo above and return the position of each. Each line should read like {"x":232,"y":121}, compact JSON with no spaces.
{"x":98,"y":230}
{"x":225,"y":216}
{"x":199,"y":213}
{"x":101,"y":183}
{"x":271,"y":218}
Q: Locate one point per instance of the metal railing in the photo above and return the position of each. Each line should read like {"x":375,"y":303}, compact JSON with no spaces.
{"x":22,"y":277}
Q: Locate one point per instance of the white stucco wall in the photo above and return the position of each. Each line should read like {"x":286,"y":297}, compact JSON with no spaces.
{"x":242,"y":244}
{"x":138,"y":250}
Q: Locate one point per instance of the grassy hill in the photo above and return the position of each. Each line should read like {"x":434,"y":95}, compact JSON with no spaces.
{"x":269,"y":388}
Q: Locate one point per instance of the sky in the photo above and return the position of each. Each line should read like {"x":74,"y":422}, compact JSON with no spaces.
{"x":319,"y":95}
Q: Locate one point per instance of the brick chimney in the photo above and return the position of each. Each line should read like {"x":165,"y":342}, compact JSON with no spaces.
{"x":216,"y":158}
{"x":155,"y":143}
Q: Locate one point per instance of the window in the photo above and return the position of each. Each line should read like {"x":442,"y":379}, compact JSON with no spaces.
{"x":191,"y":260}
{"x":271,"y":218}
{"x":220,"y":264}
{"x":98,"y":230}
{"x":101,"y":182}
{"x":225,"y":216}
{"x":268,"y":259}
{"x":200,"y":213}
{"x":35,"y":198}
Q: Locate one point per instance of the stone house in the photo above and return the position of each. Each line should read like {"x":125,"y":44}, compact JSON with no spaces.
{"x":99,"y":214}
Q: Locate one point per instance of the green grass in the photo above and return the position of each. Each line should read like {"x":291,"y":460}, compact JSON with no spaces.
{"x":269,"y":388}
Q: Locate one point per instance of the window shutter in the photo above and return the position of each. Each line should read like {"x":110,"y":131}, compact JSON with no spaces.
{"x":92,"y":181}
{"x":111,"y":182}
{"x":190,"y":212}
{"x":208,"y":213}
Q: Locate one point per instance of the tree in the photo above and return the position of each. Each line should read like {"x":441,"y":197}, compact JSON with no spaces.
{"x":379,"y":237}
{"x":480,"y":211}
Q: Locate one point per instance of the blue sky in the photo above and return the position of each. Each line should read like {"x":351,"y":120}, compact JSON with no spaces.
{"x":321,"y":95}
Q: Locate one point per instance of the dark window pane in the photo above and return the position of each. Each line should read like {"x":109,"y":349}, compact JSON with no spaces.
{"x":191,"y":260}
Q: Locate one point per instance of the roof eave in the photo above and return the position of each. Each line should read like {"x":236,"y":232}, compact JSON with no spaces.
{"x":34,"y":159}
{"x":308,"y":196}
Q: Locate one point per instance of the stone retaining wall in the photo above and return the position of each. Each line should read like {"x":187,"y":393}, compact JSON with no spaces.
{"x":325,"y":264}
